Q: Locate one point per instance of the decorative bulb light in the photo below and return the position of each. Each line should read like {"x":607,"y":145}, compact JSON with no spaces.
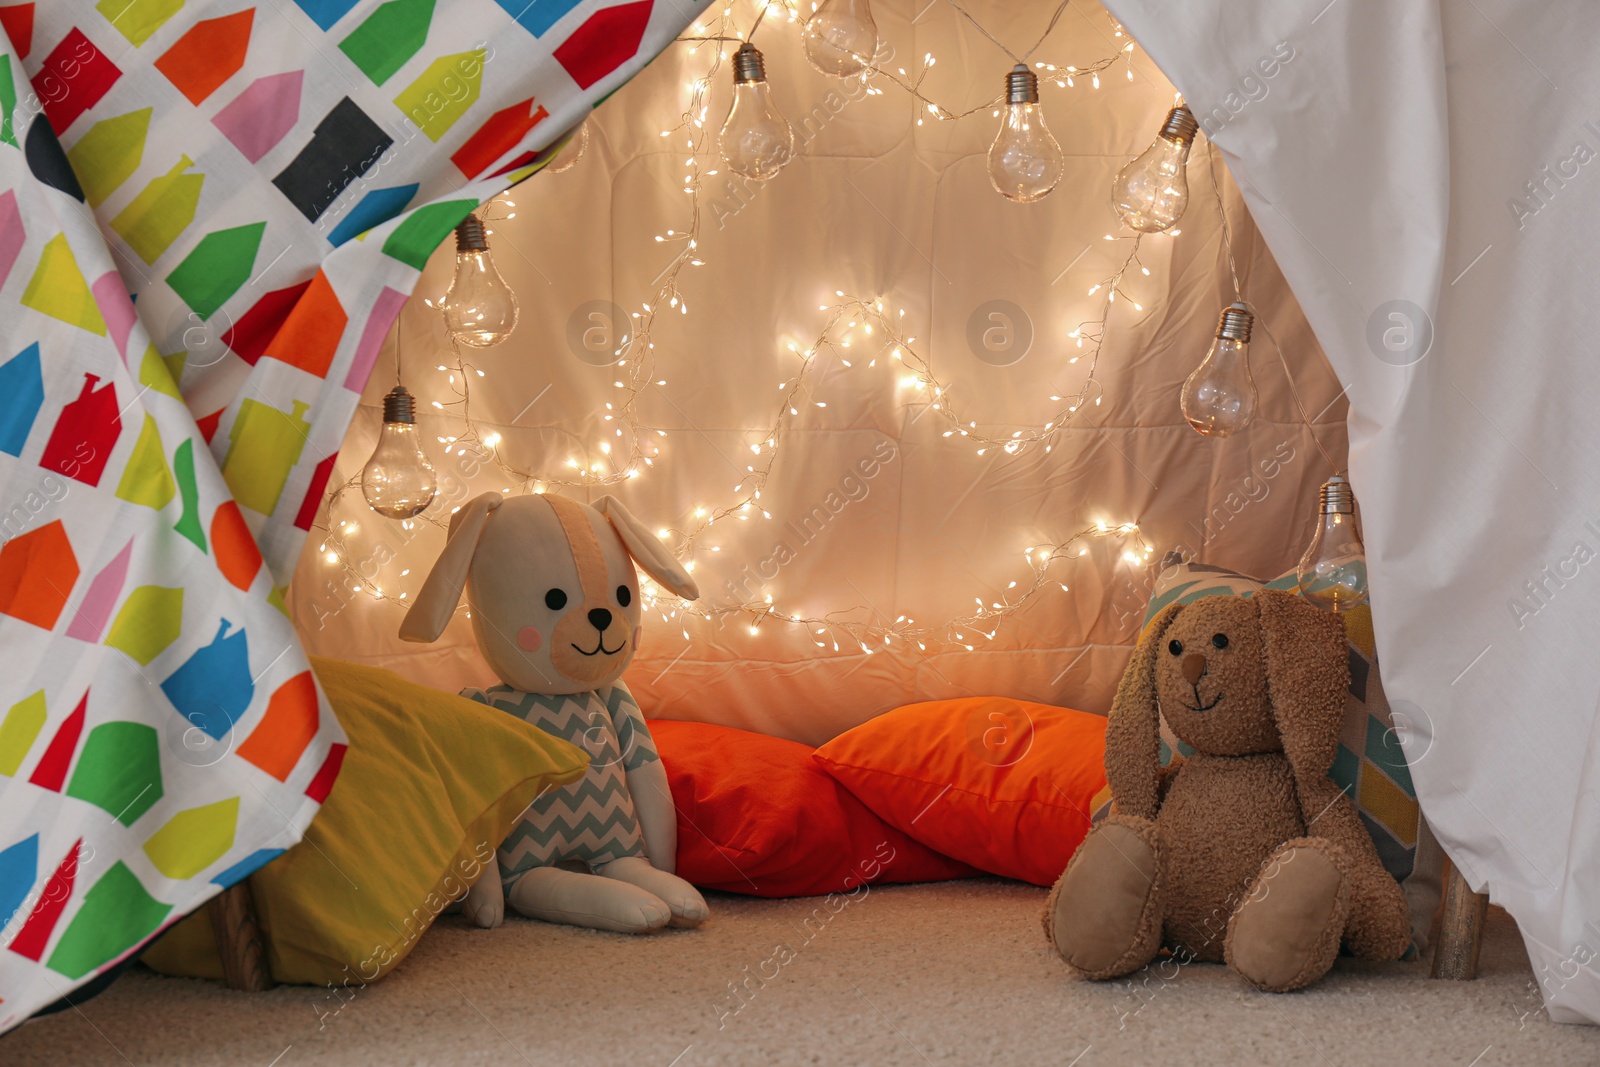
{"x":1025,"y":162}
{"x":1152,"y":190}
{"x":756,"y":138}
{"x":398,"y":481}
{"x":1219,"y":398}
{"x":1333,"y":571}
{"x":841,"y":37}
{"x":479,"y":307}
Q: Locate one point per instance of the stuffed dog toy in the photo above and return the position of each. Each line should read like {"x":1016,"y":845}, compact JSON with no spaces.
{"x":555,"y":608}
{"x":1245,"y":852}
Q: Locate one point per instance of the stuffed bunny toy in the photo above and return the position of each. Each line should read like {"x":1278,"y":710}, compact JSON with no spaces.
{"x":1245,"y":852}
{"x":555,"y":608}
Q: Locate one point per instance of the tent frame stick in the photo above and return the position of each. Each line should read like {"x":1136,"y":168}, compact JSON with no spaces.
{"x":244,"y":957}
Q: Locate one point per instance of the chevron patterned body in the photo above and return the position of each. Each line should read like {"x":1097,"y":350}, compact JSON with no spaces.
{"x":592,"y":821}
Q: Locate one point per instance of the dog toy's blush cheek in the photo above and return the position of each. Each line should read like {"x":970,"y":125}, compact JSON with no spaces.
{"x":530,"y":638}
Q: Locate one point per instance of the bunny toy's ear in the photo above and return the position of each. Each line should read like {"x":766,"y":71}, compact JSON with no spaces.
{"x":647,"y":551}
{"x":1133,"y":732}
{"x":440,"y":594}
{"x":1308,"y":672}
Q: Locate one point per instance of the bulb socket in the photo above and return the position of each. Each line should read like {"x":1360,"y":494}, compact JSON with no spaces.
{"x":1235,"y":324}
{"x":399,"y":407}
{"x":1022,"y":86}
{"x":748,"y":65}
{"x":1180,"y":125}
{"x":470,"y":236}
{"x":1337,"y":497}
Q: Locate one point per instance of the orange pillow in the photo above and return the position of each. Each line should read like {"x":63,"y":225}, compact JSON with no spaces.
{"x":1002,"y":784}
{"x":757,"y":816}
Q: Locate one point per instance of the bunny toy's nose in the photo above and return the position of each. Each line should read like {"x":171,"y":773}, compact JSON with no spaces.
{"x":1194,"y":667}
{"x":599,"y":618}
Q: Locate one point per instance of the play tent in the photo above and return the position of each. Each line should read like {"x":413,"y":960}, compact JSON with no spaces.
{"x":974,"y":498}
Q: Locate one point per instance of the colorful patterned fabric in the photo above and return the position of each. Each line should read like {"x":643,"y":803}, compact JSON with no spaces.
{"x":210,"y":213}
{"x":592,"y":820}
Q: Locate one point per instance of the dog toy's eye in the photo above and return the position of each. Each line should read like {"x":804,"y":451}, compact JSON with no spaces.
{"x":1219,"y":640}
{"x":624,"y":595}
{"x":555,"y":600}
{"x":1175,"y":647}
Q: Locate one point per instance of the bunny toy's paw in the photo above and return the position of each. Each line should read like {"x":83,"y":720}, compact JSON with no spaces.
{"x":485,"y":903}
{"x":1104,"y":915}
{"x":1285,"y":933}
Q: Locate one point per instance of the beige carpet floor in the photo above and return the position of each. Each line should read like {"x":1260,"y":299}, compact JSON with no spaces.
{"x":957,"y":973}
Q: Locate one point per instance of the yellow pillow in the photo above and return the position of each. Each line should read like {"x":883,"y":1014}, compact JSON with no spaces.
{"x":431,"y":784}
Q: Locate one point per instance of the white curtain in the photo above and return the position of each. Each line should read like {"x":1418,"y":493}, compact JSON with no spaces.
{"x":1426,"y":176}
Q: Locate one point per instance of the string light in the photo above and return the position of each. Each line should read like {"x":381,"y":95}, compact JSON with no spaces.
{"x":568,"y":157}
{"x":1219,"y":397}
{"x":398,"y":481}
{"x":827,"y":631}
{"x":635,"y":344}
{"x":1333,"y":570}
{"x":756,"y":139}
{"x":639,"y":445}
{"x":479,"y":308}
{"x":1151,"y":191}
{"x":911,"y":84}
{"x":835,"y":633}
{"x":841,"y":37}
{"x":1025,"y":162}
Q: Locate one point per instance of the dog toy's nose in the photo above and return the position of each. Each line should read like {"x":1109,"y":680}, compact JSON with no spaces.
{"x":599,"y":618}
{"x":1194,"y":667}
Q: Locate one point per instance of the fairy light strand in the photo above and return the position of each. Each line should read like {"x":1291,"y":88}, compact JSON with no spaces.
{"x":840,"y":634}
{"x":635,"y":352}
{"x":1054,"y":18}
{"x":636,"y":349}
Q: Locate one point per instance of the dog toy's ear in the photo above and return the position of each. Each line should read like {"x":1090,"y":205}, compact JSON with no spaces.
{"x":647,"y":551}
{"x":440,"y":594}
{"x":1308,"y":672}
{"x":1133,"y":732}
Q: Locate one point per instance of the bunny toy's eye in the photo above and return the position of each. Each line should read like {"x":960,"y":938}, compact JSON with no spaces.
{"x":1175,"y":647}
{"x":624,"y":595}
{"x":1219,"y":640}
{"x":555,"y":600}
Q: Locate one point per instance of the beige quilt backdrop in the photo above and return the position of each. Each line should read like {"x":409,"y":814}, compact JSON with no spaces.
{"x":1424,"y":173}
{"x":874,"y":205}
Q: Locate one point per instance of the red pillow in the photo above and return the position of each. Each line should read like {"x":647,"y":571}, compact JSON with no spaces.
{"x":757,"y":816}
{"x":1005,"y":785}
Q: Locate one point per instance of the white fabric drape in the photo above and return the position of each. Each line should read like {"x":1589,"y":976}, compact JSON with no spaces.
{"x":1424,"y":174}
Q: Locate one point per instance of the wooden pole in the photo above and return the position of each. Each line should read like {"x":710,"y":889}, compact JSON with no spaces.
{"x":1460,"y":930}
{"x":244,"y":957}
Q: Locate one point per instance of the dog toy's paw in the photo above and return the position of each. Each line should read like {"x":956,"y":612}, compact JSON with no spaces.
{"x":561,"y":896}
{"x":689,"y":911}
{"x":645,"y":917}
{"x":485,"y":903}
{"x":688,"y":907}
